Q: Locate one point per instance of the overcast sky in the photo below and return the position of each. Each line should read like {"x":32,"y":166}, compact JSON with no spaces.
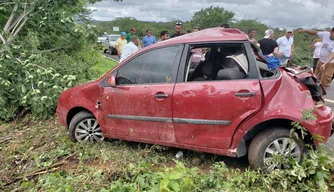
{"x":275,"y":13}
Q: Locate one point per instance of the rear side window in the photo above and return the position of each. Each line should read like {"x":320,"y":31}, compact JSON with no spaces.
{"x":151,"y":67}
{"x":226,"y":61}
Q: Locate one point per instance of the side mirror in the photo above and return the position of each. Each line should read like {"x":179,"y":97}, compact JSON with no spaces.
{"x":111,"y":81}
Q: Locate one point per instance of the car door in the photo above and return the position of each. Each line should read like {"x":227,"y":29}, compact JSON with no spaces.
{"x":139,"y":107}
{"x":207,"y":113}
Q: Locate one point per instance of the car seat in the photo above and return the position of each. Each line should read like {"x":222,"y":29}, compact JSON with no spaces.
{"x":230,"y":74}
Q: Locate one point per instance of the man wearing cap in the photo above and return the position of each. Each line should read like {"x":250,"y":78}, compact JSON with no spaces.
{"x":120,"y":42}
{"x":325,"y":66}
{"x":129,"y":35}
{"x":148,"y":39}
{"x":164,"y":35}
{"x":195,"y":29}
{"x":267,"y":45}
{"x":285,"y":45}
{"x":178,"y":30}
{"x":130,"y":48}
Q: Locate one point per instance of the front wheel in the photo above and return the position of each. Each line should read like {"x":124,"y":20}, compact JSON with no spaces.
{"x":271,"y":148}
{"x":84,"y":128}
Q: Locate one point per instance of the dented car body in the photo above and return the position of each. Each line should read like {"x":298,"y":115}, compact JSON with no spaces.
{"x":219,"y":107}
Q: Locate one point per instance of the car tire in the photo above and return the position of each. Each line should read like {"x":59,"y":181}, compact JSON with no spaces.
{"x":274,"y":141}
{"x":84,"y":128}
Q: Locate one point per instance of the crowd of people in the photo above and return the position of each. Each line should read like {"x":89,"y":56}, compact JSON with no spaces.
{"x":282,"y":48}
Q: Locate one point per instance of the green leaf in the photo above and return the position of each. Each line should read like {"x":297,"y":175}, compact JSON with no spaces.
{"x":23,"y":89}
{"x":174,"y":185}
{"x":164,"y":184}
{"x":141,"y":181}
{"x":175,"y":174}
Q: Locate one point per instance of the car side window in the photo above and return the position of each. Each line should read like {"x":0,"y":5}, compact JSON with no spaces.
{"x":151,"y":67}
{"x":221,"y":62}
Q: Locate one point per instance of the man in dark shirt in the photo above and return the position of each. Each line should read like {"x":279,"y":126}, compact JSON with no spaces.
{"x":178,"y":30}
{"x":267,"y":44}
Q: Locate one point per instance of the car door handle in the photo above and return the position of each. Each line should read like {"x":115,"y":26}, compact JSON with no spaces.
{"x":161,"y":96}
{"x":247,"y":94}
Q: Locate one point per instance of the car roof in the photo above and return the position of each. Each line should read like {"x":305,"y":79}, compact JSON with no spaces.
{"x":217,"y":34}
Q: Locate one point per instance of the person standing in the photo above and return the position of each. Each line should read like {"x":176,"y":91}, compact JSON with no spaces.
{"x":195,"y":29}
{"x":285,"y":46}
{"x":267,"y":45}
{"x":316,"y":45}
{"x":164,"y":35}
{"x":129,"y":35}
{"x":130,"y":48}
{"x":251,"y":35}
{"x":120,"y":42}
{"x":178,"y":30}
{"x":225,"y":25}
{"x":149,"y":39}
{"x":325,"y":66}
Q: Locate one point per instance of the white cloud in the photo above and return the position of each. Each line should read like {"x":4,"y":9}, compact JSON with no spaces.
{"x":283,"y":13}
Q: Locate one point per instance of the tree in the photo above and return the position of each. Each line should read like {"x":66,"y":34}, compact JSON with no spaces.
{"x":43,"y":50}
{"x":212,"y":17}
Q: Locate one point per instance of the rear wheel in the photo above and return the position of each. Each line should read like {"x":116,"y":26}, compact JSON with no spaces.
{"x":84,"y":128}
{"x":270,"y":148}
{"x":110,"y":50}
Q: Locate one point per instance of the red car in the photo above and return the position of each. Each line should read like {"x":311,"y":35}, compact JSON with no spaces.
{"x":231,"y":104}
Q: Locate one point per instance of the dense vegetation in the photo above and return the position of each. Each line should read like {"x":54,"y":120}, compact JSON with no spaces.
{"x":44,"y":50}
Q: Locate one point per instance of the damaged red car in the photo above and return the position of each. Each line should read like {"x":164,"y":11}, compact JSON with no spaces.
{"x":225,"y":101}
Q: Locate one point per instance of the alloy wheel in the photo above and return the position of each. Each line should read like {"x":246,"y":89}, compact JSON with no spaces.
{"x":283,"y":148}
{"x":88,"y":130}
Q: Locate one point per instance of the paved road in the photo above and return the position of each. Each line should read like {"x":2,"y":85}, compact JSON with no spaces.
{"x":330,"y":102}
{"x":330,"y":92}
{"x":114,"y":57}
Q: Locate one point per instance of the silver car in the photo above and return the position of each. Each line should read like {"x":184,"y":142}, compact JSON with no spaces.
{"x":109,"y":44}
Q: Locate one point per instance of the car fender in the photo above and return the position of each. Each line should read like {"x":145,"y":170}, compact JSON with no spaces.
{"x":284,"y":105}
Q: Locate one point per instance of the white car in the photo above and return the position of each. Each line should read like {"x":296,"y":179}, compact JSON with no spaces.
{"x":109,"y":43}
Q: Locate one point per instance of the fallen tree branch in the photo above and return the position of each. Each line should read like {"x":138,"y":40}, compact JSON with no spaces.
{"x":9,"y":21}
{"x":18,"y":30}
{"x":51,"y":168}
{"x":2,"y":39}
{"x":4,"y":140}
{"x":56,"y":49}
{"x":14,"y":31}
{"x":84,"y":183}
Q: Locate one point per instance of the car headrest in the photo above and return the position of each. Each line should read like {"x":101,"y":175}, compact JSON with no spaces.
{"x":208,"y":69}
{"x":230,"y":73}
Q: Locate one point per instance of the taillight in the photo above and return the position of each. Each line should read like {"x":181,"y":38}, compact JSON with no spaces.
{"x":314,"y":86}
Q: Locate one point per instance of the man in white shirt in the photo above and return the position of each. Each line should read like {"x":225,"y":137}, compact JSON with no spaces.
{"x":285,"y":46}
{"x":325,"y":66}
{"x":316,"y":44}
{"x":130,"y":48}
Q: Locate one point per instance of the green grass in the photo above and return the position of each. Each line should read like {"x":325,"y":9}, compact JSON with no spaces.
{"x":104,"y":65}
{"x":39,"y":156}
